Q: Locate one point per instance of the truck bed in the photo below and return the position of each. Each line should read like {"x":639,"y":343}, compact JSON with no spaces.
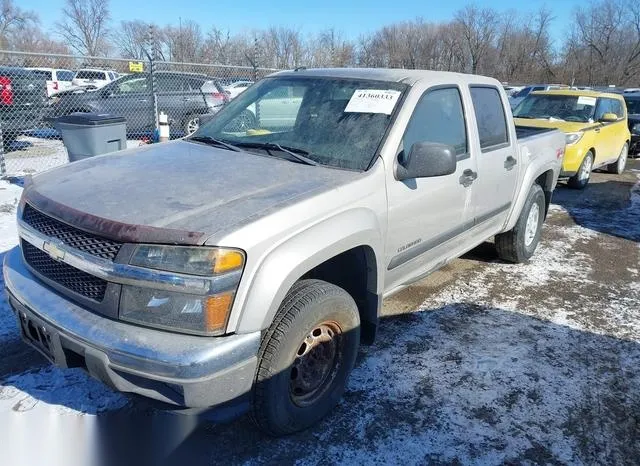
{"x":523,"y":132}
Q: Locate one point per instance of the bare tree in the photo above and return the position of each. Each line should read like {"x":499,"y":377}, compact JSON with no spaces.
{"x":85,"y":26}
{"x":184,"y":42}
{"x":13,"y":19}
{"x":479,"y":27}
{"x":131,"y":38}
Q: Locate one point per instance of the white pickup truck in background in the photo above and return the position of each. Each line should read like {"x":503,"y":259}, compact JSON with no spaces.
{"x":57,"y":79}
{"x":257,"y":270}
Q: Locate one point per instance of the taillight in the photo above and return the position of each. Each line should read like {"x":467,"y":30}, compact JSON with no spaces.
{"x":6,"y":91}
{"x":218,"y":95}
{"x":55,"y":85}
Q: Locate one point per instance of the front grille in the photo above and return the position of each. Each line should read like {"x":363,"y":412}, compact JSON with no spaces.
{"x":86,"y":242}
{"x":63,"y":274}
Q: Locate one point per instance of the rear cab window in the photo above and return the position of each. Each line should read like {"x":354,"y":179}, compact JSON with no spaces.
{"x":64,"y":75}
{"x":88,"y":74}
{"x":490,"y":118}
{"x":43,"y":74}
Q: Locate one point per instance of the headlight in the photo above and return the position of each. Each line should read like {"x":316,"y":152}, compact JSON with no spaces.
{"x":204,"y":261}
{"x":636,"y":129}
{"x":572,"y":138}
{"x":203,"y":314}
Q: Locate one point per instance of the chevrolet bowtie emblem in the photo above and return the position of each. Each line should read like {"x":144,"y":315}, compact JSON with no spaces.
{"x":54,"y":251}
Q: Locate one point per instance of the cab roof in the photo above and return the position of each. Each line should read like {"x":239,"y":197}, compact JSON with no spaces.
{"x":389,"y":74}
{"x":579,"y":93}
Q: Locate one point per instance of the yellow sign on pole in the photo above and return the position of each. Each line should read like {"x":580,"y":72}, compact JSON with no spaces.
{"x":136,"y":66}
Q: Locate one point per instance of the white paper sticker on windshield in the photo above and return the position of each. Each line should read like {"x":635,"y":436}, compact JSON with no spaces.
{"x":584,"y":100}
{"x":372,"y":101}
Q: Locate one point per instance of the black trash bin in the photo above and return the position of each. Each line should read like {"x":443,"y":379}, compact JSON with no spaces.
{"x":88,"y":134}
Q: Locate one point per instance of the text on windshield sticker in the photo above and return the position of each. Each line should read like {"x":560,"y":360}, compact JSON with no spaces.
{"x":584,"y":100}
{"x":372,"y":101}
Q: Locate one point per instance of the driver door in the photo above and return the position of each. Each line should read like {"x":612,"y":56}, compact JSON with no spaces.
{"x":428,"y":217}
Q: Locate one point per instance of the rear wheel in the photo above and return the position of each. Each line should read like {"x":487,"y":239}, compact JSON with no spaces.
{"x":305,"y":357}
{"x":581,"y":179}
{"x":619,"y":165}
{"x":519,"y":244}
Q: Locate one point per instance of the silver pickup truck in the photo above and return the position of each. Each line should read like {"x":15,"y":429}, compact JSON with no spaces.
{"x":247,"y":263}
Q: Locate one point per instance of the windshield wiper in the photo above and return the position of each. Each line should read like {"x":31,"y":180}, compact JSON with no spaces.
{"x":295,"y":152}
{"x":215,"y":142}
{"x":524,"y":116}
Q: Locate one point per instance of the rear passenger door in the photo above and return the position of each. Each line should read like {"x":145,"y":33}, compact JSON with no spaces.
{"x":610,"y":137}
{"x":497,"y":160}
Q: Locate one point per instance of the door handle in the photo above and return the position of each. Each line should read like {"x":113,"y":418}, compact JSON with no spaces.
{"x":186,"y":99}
{"x":509,"y":163}
{"x":597,"y":130}
{"x":467,"y":177}
{"x":143,"y":100}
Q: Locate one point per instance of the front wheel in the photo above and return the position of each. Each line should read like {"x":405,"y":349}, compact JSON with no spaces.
{"x":518,"y":244}
{"x":191,"y":124}
{"x":305,"y":357}
{"x":581,"y":179}
{"x":619,"y":165}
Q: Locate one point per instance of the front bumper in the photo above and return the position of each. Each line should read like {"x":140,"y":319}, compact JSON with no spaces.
{"x":183,"y":370}
{"x":573,"y":156}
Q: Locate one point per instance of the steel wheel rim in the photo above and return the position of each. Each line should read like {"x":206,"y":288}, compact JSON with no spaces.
{"x":244,"y":121}
{"x":531,"y":228}
{"x":622,"y":160}
{"x":585,"y":169}
{"x":316,"y":363}
{"x":193,"y":125}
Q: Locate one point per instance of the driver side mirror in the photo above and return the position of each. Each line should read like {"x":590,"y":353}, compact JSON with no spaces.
{"x":427,"y":159}
{"x":608,"y":117}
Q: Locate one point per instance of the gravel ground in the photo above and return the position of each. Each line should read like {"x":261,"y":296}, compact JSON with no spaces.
{"x":481,"y":363}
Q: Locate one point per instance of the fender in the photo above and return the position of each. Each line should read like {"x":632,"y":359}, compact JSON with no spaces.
{"x":530,"y":175}
{"x":283,"y":265}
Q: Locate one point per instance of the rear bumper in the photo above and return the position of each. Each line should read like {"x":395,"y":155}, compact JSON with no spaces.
{"x":183,"y":370}
{"x":635,"y":145}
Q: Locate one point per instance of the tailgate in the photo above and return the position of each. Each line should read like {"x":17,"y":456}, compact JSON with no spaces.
{"x":28,"y":92}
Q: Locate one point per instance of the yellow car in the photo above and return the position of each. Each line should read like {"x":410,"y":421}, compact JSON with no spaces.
{"x":595,"y":125}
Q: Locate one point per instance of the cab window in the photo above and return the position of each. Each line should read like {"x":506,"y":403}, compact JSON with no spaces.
{"x":438,"y":117}
{"x":490,"y":117}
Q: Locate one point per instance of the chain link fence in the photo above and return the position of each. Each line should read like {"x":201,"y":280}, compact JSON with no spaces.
{"x":37,"y":88}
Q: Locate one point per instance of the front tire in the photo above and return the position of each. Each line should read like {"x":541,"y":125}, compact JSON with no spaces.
{"x":619,"y":165}
{"x":305,"y":357}
{"x":191,"y":124}
{"x":519,"y":244}
{"x":581,"y":179}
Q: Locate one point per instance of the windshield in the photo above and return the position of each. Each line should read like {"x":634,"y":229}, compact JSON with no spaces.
{"x":559,"y":107}
{"x":633,"y":106}
{"x":87,"y":74}
{"x":522,"y":92}
{"x":335,"y":122}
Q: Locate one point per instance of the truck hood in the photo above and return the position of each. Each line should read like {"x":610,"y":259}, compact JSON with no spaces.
{"x":177,"y":192}
{"x":565,"y":126}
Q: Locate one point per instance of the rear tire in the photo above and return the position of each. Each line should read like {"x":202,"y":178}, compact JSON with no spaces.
{"x":581,"y":179}
{"x":518,"y":244}
{"x":619,"y":165}
{"x":305,"y":357}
